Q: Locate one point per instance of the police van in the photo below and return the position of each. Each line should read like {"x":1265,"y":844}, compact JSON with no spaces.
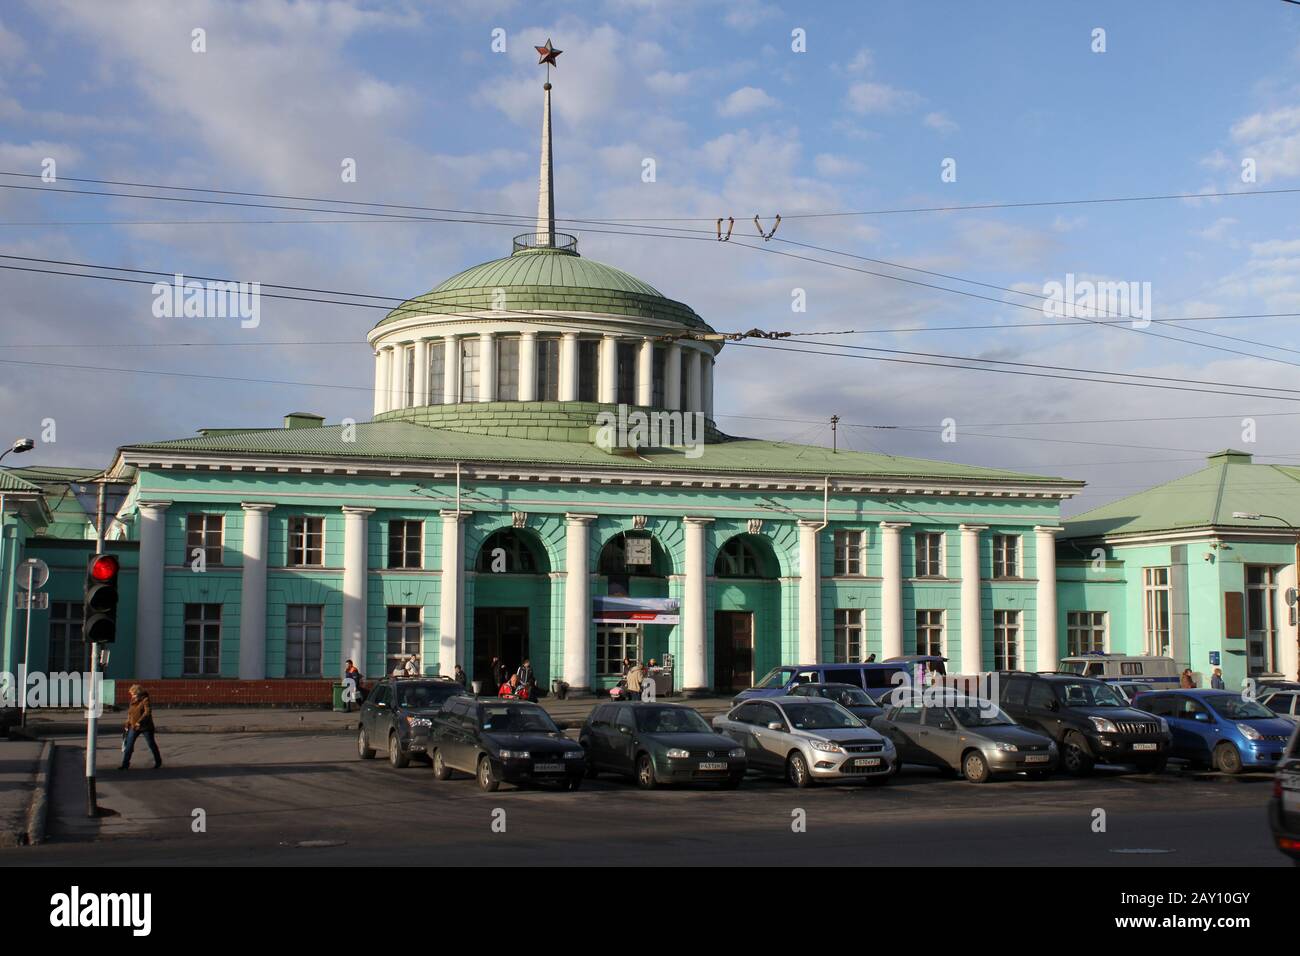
{"x":1123,"y":667}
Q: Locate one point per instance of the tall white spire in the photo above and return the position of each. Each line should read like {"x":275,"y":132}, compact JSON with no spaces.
{"x":546,"y":178}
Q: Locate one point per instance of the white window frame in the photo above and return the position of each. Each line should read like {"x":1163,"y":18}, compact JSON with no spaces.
{"x":299,"y":631}
{"x":204,"y":532}
{"x":608,"y":662}
{"x":1000,"y":547}
{"x":206,"y":626}
{"x":850,"y":630}
{"x":941,"y":571}
{"x":289,"y":545}
{"x":1157,"y":644}
{"x":1005,"y":620}
{"x":935,"y":619}
{"x":1081,"y":627}
{"x":850,"y":548}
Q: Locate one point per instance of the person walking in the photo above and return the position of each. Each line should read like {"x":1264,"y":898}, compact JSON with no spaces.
{"x":634,"y":678}
{"x":527,"y":678}
{"x":139,"y":723}
{"x":1216,"y":679}
{"x":1186,"y":679}
{"x":352,"y":685}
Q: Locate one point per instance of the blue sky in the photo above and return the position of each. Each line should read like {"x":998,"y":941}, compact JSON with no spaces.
{"x":737,"y":123}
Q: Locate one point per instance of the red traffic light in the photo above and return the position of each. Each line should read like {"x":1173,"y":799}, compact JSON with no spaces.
{"x":104,"y":568}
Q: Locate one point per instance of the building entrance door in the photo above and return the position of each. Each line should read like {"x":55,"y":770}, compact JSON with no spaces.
{"x":499,"y":632}
{"x":733,"y":650}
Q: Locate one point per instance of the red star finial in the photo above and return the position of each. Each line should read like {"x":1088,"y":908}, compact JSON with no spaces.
{"x":547,"y":54}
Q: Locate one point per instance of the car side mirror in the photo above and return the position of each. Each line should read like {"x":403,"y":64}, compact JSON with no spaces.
{"x":947,"y":725}
{"x":776,"y":725}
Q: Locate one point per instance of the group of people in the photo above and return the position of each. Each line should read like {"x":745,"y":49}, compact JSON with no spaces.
{"x":1188,"y":680}
{"x":636,"y":682}
{"x":521,"y":685}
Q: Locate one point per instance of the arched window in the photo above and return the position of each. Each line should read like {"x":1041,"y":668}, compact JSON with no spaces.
{"x":740,"y":558}
{"x":508,"y":552}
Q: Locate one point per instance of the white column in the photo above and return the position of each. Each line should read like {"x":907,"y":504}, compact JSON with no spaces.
{"x":694,"y":401}
{"x":891,"y":588}
{"x":451,"y":601}
{"x":695,"y":665}
{"x":421,"y":372}
{"x":577,"y":601}
{"x":252,"y":593}
{"x":149,"y":594}
{"x":396,"y":366}
{"x":810,"y":611}
{"x":645,"y":372}
{"x":673,"y":377}
{"x":355,"y":555}
{"x":972,"y":644}
{"x":381,"y":386}
{"x":706,"y":385}
{"x":450,"y":370}
{"x":1049,"y":651}
{"x":528,"y":366}
{"x":569,"y":367}
{"x":487,"y":367}
{"x":608,"y":370}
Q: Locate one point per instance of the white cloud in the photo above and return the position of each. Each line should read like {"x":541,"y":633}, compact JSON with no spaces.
{"x":832,"y":166}
{"x":746,"y":100}
{"x":940,"y":122}
{"x":872,"y":97}
{"x":1218,"y":230}
{"x":664,"y":81}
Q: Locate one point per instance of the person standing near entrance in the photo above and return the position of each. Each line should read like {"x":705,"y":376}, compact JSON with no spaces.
{"x":634,"y":678}
{"x":527,"y":678}
{"x":139,"y":723}
{"x":459,"y":675}
{"x":498,"y":669}
{"x":1216,"y":679}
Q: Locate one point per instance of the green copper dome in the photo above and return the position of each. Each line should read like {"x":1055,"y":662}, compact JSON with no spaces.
{"x":553,"y":279}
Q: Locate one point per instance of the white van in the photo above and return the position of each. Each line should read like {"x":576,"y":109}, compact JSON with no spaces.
{"x":1123,"y":667}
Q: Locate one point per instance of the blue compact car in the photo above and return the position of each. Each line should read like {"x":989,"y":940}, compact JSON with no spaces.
{"x":1219,"y":729}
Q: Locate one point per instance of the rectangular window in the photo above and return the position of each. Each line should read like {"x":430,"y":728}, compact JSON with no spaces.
{"x":1006,"y":640}
{"x":683,"y":384}
{"x":306,"y":542}
{"x":657,"y":365}
{"x":613,"y":643}
{"x":1155,"y":603}
{"x":404,"y":632}
{"x":304,"y":640}
{"x":929,"y":554}
{"x":1261,"y":628}
{"x":1006,"y":555}
{"x":625,"y":393}
{"x":850,"y":635}
{"x":1085,"y":632}
{"x":508,"y":368}
{"x":67,"y":649}
{"x":469,"y":368}
{"x":929,"y":632}
{"x":850,"y":546}
{"x":548,"y":369}
{"x":205,"y":532}
{"x":437,"y":371}
{"x":405,"y":544}
{"x":408,"y":364}
{"x":201,"y":653}
{"x":588,"y":370}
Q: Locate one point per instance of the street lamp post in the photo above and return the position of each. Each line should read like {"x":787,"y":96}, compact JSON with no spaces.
{"x":1295,"y":556}
{"x":19,"y":446}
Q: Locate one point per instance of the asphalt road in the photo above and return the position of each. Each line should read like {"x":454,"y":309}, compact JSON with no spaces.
{"x":307,"y":800}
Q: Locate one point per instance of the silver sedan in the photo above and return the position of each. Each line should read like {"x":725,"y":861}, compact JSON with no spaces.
{"x":805,"y":739}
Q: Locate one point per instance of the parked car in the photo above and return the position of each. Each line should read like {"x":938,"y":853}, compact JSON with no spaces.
{"x":963,"y":735}
{"x":875,"y":679}
{"x":1088,"y":720}
{"x":397,"y":714}
{"x":807,"y":739}
{"x":1147,"y":668}
{"x":659,"y":743}
{"x":511,"y":741}
{"x":1220,"y":729}
{"x":1129,"y":689}
{"x":1284,"y":703}
{"x":1284,"y":807}
{"x":852,"y":698}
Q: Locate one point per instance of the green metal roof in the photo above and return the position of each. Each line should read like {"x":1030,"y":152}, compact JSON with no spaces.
{"x":552,"y":280}
{"x":392,"y":440}
{"x":11,"y":481}
{"x":1229,"y":483}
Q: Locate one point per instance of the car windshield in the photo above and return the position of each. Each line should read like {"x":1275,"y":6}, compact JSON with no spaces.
{"x":776,"y":677}
{"x":848,"y":696}
{"x":820,"y":717}
{"x":1236,"y":708}
{"x":428,"y":695}
{"x":986,"y":715}
{"x":1089,"y":694}
{"x":513,"y":719}
{"x":670,"y":720}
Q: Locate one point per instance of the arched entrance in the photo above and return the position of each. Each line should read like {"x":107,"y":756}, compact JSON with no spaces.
{"x":512,"y":606}
{"x":746,"y":624}
{"x":632,"y":564}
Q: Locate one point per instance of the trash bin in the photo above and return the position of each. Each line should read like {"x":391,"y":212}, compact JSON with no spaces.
{"x":340,"y":705}
{"x":477,"y":687}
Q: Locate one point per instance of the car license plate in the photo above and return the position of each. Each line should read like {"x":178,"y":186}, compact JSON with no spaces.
{"x":1144,"y":746}
{"x":866,"y":762}
{"x":1036,"y":758}
{"x":548,"y":768}
{"x":713,"y":766}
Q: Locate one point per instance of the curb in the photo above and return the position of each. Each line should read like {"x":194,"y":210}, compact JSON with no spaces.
{"x":38,"y":811}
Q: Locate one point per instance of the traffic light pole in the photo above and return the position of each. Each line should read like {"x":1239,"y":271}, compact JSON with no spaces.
{"x":92,"y":703}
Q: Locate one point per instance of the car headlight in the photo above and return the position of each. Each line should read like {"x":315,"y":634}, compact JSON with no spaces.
{"x":677,"y":753}
{"x":1164,"y":725}
{"x":419,"y":722}
{"x":886,"y":743}
{"x":1249,"y":732}
{"x":1103,"y":725}
{"x":826,"y":746}
{"x":737,"y":752}
{"x":1003,"y":745}
{"x":514,"y":755}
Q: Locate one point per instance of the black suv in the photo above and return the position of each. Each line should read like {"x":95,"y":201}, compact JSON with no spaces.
{"x":397,"y":715}
{"x":1089,"y":720}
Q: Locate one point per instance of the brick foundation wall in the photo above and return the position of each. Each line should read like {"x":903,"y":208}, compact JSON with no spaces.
{"x":256,"y":693}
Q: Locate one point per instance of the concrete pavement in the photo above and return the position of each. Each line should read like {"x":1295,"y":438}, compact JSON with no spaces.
{"x":23,"y":791}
